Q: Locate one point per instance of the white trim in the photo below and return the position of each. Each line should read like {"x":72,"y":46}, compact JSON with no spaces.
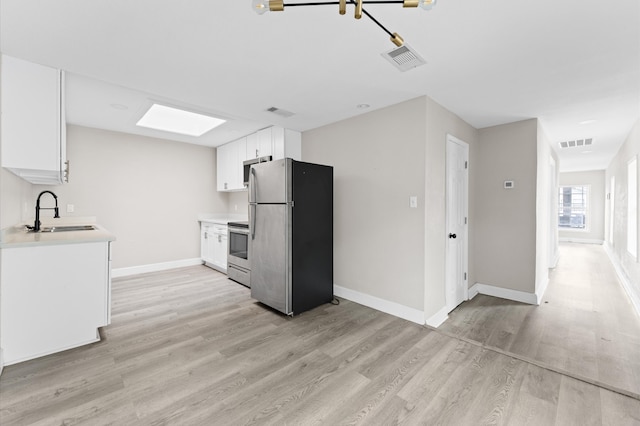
{"x":465,"y":266}
{"x":554,"y":261}
{"x":541,"y":289}
{"x":580,"y":240}
{"x":1,"y":360}
{"x":154,"y":267}
{"x":504,"y":293}
{"x":391,"y":308}
{"x":624,"y":279}
{"x":439,"y":318}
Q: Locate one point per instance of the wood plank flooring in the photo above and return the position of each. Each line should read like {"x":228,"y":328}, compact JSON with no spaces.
{"x":586,"y":326}
{"x":189,"y":347}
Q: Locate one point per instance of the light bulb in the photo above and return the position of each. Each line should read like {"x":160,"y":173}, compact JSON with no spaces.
{"x":260,"y":6}
{"x":427,"y":4}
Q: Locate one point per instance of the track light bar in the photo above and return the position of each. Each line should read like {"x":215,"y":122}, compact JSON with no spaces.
{"x":262,"y":6}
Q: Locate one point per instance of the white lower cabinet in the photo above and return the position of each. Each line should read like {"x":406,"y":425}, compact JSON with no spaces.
{"x":54,"y":297}
{"x":213,"y":245}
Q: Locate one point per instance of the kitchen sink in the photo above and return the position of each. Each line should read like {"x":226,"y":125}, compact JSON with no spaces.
{"x":67,"y":228}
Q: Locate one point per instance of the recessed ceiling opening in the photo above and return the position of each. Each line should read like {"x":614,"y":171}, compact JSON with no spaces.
{"x":168,"y":119}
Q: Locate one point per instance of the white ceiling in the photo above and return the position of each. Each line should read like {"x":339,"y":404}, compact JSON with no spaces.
{"x":490,"y":62}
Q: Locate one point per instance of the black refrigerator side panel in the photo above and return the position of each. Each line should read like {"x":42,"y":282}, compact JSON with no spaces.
{"x":312,"y":236}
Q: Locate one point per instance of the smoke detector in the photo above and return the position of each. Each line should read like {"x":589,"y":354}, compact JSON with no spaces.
{"x":404,"y":58}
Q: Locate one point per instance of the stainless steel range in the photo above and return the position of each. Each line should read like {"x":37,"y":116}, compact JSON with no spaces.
{"x":238,"y":258}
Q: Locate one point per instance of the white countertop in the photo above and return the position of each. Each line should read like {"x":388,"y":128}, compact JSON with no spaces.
{"x":17,"y":236}
{"x":221,"y":219}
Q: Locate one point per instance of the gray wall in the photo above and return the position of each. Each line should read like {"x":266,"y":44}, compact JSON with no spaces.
{"x":618,"y":168}
{"x":383,"y":248}
{"x":146,"y":191}
{"x":378,"y":161}
{"x":596,"y":180}
{"x":505,"y":219}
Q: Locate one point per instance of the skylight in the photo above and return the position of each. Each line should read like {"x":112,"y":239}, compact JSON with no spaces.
{"x":175,"y":120}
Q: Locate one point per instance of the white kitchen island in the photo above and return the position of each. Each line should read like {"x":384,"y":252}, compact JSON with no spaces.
{"x":55,"y":291}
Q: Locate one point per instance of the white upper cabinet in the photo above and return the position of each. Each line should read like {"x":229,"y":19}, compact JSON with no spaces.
{"x":33,"y":121}
{"x":260,"y":144}
{"x":274,"y":141}
{"x":229,"y":165}
{"x":286,"y":143}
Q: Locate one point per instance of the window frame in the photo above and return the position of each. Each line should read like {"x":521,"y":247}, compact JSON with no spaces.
{"x":587,"y":208}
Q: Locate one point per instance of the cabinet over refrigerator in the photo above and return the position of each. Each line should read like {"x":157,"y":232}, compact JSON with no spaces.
{"x":291,"y":231}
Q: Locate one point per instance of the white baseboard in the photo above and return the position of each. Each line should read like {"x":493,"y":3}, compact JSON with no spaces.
{"x":580,"y":240}
{"x":154,"y":267}
{"x":624,"y":279}
{"x":391,"y":308}
{"x":439,"y":318}
{"x":503,"y":293}
{"x":554,"y":261}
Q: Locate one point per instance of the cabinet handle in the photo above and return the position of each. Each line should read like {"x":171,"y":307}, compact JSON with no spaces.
{"x":256,"y":153}
{"x":219,"y":238}
{"x":66,"y":171}
{"x":225,"y":185}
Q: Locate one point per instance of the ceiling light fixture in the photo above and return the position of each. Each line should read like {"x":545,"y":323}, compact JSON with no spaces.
{"x":175,"y":120}
{"x":262,"y":6}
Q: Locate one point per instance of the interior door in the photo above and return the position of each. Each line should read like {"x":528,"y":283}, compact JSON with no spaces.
{"x":270,"y":266}
{"x":457,"y":184}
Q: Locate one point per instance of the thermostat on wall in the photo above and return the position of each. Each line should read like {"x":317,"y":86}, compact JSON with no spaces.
{"x":508,"y":184}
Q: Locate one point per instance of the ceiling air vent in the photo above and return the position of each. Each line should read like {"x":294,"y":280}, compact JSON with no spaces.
{"x":280,"y":112}
{"x":576,"y":143}
{"x":404,"y":58}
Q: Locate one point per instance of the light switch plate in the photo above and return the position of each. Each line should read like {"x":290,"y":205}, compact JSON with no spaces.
{"x":413,"y":202}
{"x":70,"y":208}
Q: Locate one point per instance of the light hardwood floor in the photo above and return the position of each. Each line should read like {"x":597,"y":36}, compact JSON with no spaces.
{"x":585,"y":326}
{"x":189,"y":347}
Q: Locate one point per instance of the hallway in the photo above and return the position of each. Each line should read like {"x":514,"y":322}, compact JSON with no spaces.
{"x":585,"y":327}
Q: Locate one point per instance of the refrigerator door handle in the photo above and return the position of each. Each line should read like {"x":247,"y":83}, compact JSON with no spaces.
{"x":253,"y":187}
{"x":252,"y":216}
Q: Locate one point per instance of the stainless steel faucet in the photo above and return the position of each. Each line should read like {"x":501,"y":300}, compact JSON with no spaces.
{"x":36,"y":225}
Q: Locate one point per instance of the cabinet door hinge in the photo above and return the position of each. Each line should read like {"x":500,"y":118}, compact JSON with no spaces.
{"x":465,"y":220}
{"x":465,"y":276}
{"x":466,"y":164}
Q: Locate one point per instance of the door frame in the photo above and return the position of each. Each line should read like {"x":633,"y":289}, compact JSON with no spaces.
{"x":449,"y":140}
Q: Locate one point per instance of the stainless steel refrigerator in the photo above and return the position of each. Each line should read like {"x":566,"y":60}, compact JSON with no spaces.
{"x":291,"y":234}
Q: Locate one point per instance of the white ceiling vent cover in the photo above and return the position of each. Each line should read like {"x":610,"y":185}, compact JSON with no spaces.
{"x":404,"y":58}
{"x":280,"y":112}
{"x":576,"y":143}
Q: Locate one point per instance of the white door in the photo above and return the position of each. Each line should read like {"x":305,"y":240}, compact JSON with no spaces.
{"x":457,"y":190}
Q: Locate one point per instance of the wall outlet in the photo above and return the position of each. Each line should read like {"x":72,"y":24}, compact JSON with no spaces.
{"x":413,"y":202}
{"x":70,"y":208}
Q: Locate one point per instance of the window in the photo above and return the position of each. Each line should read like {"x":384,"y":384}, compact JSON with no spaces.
{"x":573,"y":207}
{"x":632,"y":207}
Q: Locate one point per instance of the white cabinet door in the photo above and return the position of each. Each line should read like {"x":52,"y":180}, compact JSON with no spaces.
{"x":56,"y":305}
{"x":252,"y":146}
{"x":265,"y":142}
{"x":219,"y":247}
{"x":205,"y":230}
{"x":229,"y":165}
{"x":286,"y":143}
{"x":32,"y":121}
